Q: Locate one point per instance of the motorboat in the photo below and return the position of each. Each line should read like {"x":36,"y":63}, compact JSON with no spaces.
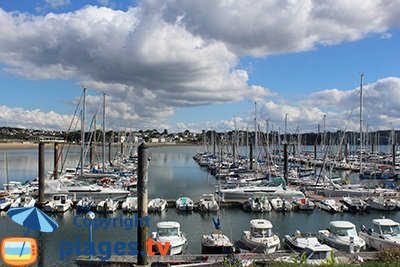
{"x":216,"y":243}
{"x":299,"y":241}
{"x":330,"y":205}
{"x":184,"y":204}
{"x":157,"y":204}
{"x":381,"y":203}
{"x":108,"y":205}
{"x":5,"y":203}
{"x":355,"y":204}
{"x":313,"y":255}
{"x":58,"y":203}
{"x":14,"y":187}
{"x":79,"y":189}
{"x":280,"y":204}
{"x":270,"y":192}
{"x":258,"y":204}
{"x":208,"y":203}
{"x":342,"y":235}
{"x":24,"y":202}
{"x":260,"y":237}
{"x":303,"y":203}
{"x":130,"y":204}
{"x":85,"y":204}
{"x":170,"y":231}
{"x":385,"y":233}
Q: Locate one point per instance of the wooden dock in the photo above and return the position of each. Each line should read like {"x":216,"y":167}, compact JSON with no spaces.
{"x":206,"y":260}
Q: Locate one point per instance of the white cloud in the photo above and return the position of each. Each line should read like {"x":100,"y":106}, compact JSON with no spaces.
{"x":271,"y":27}
{"x":33,"y":119}
{"x":160,"y":55}
{"x":57,"y":3}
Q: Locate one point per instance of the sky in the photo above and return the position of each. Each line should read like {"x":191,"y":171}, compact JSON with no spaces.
{"x":189,"y":64}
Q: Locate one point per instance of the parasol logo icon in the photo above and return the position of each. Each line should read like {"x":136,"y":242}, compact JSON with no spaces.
{"x":19,"y":251}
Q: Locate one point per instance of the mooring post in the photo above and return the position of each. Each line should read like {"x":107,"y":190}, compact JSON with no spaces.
{"x":315,"y":151}
{"x":41,"y":173}
{"x":91,"y":156}
{"x":142,"y":203}
{"x":251,"y":156}
{"x":285,"y":162}
{"x":56,"y":159}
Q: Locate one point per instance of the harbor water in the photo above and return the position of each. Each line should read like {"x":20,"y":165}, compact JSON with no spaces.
{"x":172,"y":173}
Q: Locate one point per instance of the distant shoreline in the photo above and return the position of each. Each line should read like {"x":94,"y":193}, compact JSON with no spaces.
{"x":28,"y":145}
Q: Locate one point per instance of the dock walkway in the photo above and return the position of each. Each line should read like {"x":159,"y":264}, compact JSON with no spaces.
{"x":204,"y":260}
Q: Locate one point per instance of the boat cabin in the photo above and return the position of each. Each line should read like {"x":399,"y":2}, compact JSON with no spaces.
{"x":343,"y":228}
{"x":318,"y":253}
{"x":62,"y":199}
{"x":386,"y":227}
{"x":261,"y":228}
{"x":165,"y":229}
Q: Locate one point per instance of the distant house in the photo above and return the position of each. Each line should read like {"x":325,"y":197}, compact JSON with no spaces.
{"x":45,"y":138}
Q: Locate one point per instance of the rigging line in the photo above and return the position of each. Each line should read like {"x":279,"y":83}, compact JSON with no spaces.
{"x":68,"y":149}
{"x":68,"y":132}
{"x":342,"y":139}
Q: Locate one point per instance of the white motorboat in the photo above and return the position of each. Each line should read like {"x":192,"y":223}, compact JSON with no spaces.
{"x":14,"y":187}
{"x":130,"y":204}
{"x":5,"y":203}
{"x":343,"y":236}
{"x":314,"y":255}
{"x":385,"y":233}
{"x":108,"y":205}
{"x":24,"y":202}
{"x":259,"y":204}
{"x":355,"y":204}
{"x":184,"y":204}
{"x":381,"y":203}
{"x":59,"y":203}
{"x":260,"y":237}
{"x":85,"y":204}
{"x":303,"y":204}
{"x":299,"y":241}
{"x":79,"y":189}
{"x":208,"y":203}
{"x":280,"y":204}
{"x":170,"y":231}
{"x":330,"y":205}
{"x":157,"y":204}
{"x":270,"y":192}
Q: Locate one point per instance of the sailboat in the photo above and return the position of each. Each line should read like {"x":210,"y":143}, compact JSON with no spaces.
{"x":216,"y":242}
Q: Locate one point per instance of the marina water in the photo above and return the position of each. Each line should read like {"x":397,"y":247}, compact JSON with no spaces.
{"x":172,"y":173}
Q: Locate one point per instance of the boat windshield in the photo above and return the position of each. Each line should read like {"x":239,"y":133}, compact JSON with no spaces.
{"x":351,"y":232}
{"x":390,"y":229}
{"x":168,"y":231}
{"x":257,"y":232}
{"x":318,"y":255}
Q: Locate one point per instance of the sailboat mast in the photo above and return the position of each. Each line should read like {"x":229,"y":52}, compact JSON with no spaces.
{"x":83,"y":131}
{"x":361,"y":121}
{"x":104,"y":133}
{"x":255,"y":135}
{"x":6,"y":170}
